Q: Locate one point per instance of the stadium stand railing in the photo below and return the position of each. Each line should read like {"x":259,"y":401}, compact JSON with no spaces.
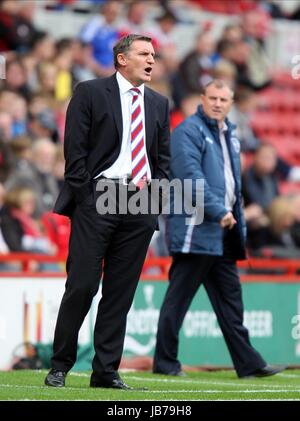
{"x":156,"y":268}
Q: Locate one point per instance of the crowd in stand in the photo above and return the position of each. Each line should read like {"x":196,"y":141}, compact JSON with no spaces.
{"x":41,"y":73}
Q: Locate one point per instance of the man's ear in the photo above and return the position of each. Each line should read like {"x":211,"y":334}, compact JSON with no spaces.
{"x":121,"y":58}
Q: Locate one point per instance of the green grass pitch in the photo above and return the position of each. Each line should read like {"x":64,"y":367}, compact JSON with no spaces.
{"x":218,"y":385}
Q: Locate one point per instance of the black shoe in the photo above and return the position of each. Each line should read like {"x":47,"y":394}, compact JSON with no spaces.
{"x":55,"y":378}
{"x":268,"y":370}
{"x":114,"y":384}
{"x":178,"y":373}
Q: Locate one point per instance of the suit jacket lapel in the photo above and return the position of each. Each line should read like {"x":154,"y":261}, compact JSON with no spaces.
{"x":149,"y":117}
{"x":114,"y":95}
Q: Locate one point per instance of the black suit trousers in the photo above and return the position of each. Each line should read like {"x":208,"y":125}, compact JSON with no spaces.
{"x":112,"y":246}
{"x":220,"y":278}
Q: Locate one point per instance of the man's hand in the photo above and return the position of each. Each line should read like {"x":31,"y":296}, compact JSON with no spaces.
{"x":228,"y":221}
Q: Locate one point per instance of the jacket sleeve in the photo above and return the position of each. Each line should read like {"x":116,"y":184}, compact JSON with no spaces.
{"x":162,"y":170}
{"x":76,"y":148}
{"x":187,"y":149}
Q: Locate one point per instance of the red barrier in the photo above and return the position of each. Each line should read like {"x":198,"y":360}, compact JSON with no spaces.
{"x":156,"y":269}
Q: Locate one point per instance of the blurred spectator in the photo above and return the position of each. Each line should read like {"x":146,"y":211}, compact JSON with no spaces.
{"x":166,"y":24}
{"x":57,"y":228}
{"x":102,"y":34}
{"x":6,"y":124}
{"x":38,"y":103}
{"x":295,"y":230}
{"x":43,"y":124}
{"x":188,"y":106}
{"x":226,"y":71}
{"x":21,"y":148}
{"x":237,"y":53}
{"x":6,"y":159}
{"x":47,"y":75}
{"x":17,"y":31}
{"x":43,"y":47}
{"x":3,"y":246}
{"x":256,"y":27}
{"x":43,"y":50}
{"x":20,"y":231}
{"x":63,"y":61}
{"x":19,"y":126}
{"x":8,"y":25}
{"x":245,"y":103}
{"x":15,"y":105}
{"x":36,"y":173}
{"x":135,"y":22}
{"x":83,"y":61}
{"x":159,"y":77}
{"x":16,"y":77}
{"x":26,"y":29}
{"x":277,"y":236}
{"x":196,"y":69}
{"x":162,"y":32}
{"x":29,"y":64}
{"x":255,"y":216}
{"x":260,"y":187}
{"x":255,"y":219}
{"x":260,"y":180}
{"x":232,"y":32}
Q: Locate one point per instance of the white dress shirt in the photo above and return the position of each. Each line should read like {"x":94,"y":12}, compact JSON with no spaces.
{"x":230,"y":197}
{"x":122,"y":166}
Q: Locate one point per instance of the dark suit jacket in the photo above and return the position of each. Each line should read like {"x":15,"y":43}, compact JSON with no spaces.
{"x":93,"y":137}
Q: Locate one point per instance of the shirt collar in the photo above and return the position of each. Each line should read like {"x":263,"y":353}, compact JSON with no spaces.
{"x":125,"y":85}
{"x":224,"y":128}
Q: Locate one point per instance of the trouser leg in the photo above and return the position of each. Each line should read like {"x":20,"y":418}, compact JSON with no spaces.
{"x":90,"y":235}
{"x":186,"y":274}
{"x":123,"y":264}
{"x":224,"y":290}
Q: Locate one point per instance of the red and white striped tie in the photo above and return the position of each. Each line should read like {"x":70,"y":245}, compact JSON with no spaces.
{"x":138,"y":151}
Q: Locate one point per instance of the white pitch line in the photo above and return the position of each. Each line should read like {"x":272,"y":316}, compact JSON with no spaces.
{"x":163,"y":400}
{"x":246,"y":382}
{"x":163,"y":391}
{"x":226,"y":391}
{"x":44,"y":388}
{"x":189,"y":381}
{"x":253,"y":400}
{"x":292,"y":376}
{"x":211,"y":382}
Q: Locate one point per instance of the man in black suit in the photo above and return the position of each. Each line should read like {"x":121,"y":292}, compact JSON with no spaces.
{"x":106,"y":119}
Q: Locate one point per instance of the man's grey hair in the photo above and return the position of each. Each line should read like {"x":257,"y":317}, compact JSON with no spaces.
{"x":124,"y":44}
{"x":219,"y":84}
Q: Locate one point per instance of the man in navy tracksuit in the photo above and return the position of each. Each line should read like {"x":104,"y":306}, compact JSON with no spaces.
{"x":204,"y":147}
